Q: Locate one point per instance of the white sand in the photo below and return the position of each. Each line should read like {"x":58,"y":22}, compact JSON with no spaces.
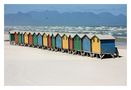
{"x":32,"y":66}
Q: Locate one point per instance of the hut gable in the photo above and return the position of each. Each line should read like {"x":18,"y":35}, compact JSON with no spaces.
{"x":72,"y":35}
{"x":76,"y":36}
{"x":64,"y":36}
{"x":39,"y":34}
{"x":45,"y":34}
{"x":57,"y":35}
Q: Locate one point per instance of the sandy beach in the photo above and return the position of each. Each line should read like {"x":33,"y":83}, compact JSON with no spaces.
{"x":33,"y":66}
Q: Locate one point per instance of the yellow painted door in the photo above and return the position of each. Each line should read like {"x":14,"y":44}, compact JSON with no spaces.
{"x":96,"y":45}
{"x":26,"y":39}
{"x":65,"y":42}
{"x":45,"y":40}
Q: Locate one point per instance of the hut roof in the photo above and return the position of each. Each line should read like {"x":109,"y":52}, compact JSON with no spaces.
{"x":45,"y":33}
{"x":22,"y":32}
{"x":72,"y":35}
{"x":89,"y":35}
{"x":80,"y":35}
{"x":31,"y":32}
{"x":55,"y":33}
{"x":36,"y":33}
{"x":27,"y":32}
{"x":64,"y":34}
{"x":13,"y":31}
{"x":105,"y":37}
{"x":49,"y":33}
{"x":41,"y":33}
{"x":58,"y":34}
{"x":61,"y":34}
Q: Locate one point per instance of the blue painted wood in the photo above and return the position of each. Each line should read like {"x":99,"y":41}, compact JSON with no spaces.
{"x":108,"y":46}
{"x":58,"y":41}
{"x":39,"y":40}
{"x":86,"y":44}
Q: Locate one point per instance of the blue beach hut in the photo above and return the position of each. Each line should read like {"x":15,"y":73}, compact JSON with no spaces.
{"x":22,"y":40}
{"x":58,"y":41}
{"x":103,"y":44}
{"x":40,"y":41}
{"x":86,"y":43}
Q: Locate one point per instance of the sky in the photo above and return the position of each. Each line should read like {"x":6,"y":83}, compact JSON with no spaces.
{"x":114,"y":9}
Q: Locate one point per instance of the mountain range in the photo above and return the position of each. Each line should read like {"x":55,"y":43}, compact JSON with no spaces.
{"x":35,"y":18}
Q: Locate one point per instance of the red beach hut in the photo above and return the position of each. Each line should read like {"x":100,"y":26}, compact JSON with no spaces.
{"x":30,"y":39}
{"x":71,"y":42}
{"x":16,"y":37}
{"x":49,"y":41}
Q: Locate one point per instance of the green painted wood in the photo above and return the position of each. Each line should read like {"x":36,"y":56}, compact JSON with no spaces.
{"x":77,"y":43}
{"x":35,"y":39}
{"x":53,"y":41}
{"x":12,"y":37}
{"x":19,"y":38}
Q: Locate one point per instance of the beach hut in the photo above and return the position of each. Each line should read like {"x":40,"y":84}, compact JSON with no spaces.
{"x":26,"y":38}
{"x":30,"y":38}
{"x":45,"y":40}
{"x":103,"y":44}
{"x":16,"y":38}
{"x":65,"y":43}
{"x":77,"y":43}
{"x":19,"y":38}
{"x":71,"y":42}
{"x":53,"y":41}
{"x":58,"y":42}
{"x":35,"y":39}
{"x":40,"y":41}
{"x":22,"y":38}
{"x":12,"y":37}
{"x":86,"y":44}
{"x":49,"y":40}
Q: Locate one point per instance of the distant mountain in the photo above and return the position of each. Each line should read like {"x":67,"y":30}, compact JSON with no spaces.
{"x":66,"y":19}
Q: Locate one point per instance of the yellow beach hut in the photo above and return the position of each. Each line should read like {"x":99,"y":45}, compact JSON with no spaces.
{"x":103,"y":44}
{"x":26,"y":38}
{"x":45,"y":40}
{"x":65,"y":44}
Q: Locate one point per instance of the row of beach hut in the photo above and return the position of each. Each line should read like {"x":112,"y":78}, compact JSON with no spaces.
{"x":83,"y":44}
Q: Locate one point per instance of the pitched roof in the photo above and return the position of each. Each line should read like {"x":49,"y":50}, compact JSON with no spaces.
{"x":80,"y":35}
{"x":104,"y":37}
{"x":90,"y":35}
{"x":72,"y":34}
{"x":12,"y":31}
